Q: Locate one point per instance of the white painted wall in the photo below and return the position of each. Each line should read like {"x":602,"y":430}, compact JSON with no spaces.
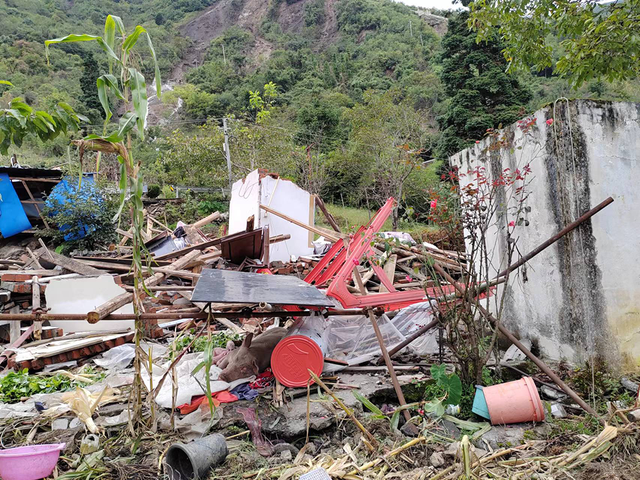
{"x":581,"y":296}
{"x":282,"y":196}
{"x":245,"y":201}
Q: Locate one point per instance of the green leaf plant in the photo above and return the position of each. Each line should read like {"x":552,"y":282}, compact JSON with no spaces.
{"x":126,"y":83}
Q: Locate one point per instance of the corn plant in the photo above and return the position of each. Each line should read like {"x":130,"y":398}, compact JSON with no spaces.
{"x":125,"y":82}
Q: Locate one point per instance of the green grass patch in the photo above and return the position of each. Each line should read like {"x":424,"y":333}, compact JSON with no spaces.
{"x":349,"y":219}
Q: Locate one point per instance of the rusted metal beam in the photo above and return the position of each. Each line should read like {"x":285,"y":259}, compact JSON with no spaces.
{"x":572,"y":226}
{"x":29,"y":317}
{"x":387,"y":361}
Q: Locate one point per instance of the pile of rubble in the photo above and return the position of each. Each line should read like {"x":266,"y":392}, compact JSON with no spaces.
{"x":264,"y":313}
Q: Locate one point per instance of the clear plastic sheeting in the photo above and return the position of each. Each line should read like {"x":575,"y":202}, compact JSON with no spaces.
{"x":352,"y":339}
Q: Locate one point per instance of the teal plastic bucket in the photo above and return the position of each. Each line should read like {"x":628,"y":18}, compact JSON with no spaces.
{"x":480,"y":404}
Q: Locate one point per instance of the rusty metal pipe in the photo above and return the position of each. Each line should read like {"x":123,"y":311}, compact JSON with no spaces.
{"x":28,"y":317}
{"x":572,"y":226}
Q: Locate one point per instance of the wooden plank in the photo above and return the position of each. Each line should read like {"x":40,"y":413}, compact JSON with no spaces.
{"x":26,"y":187}
{"x":157,"y":222}
{"x":40,"y":273}
{"x":332,"y":221}
{"x":72,"y":265}
{"x":207,"y":220}
{"x":23,"y":179}
{"x":124,"y":234}
{"x":35,"y":306}
{"x":34,"y":258}
{"x":331,"y":236}
{"x":389,"y":270}
{"x":46,"y":250}
{"x":358,"y":281}
{"x":115,"y":303}
{"x":265,"y":245}
{"x":14,"y":327}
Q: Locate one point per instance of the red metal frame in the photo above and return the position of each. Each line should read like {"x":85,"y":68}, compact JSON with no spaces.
{"x":337,"y":266}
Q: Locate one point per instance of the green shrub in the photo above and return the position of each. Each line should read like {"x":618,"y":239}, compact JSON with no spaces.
{"x":154,"y":191}
{"x":82,"y":216}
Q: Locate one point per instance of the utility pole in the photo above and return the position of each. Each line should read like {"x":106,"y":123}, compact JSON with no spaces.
{"x":227,"y":152}
{"x":411,"y":28}
{"x":224,"y":56}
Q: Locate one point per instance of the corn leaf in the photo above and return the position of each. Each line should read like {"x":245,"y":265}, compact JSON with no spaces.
{"x":367,"y":403}
{"x":110,"y":32}
{"x":82,"y":38}
{"x":132,"y":39}
{"x":139,"y":97}
{"x":127,"y":122}
{"x":158,"y":81}
{"x":104,"y":98}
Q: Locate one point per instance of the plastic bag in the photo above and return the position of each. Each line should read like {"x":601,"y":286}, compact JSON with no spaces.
{"x":351,"y":338}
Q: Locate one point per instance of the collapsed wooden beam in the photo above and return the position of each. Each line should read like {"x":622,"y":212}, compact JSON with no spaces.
{"x":124,"y":298}
{"x":331,"y":236}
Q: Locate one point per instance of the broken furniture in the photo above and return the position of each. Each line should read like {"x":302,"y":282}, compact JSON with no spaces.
{"x":339,"y":267}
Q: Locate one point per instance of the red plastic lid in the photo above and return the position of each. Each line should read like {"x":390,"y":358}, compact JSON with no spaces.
{"x":293,"y":357}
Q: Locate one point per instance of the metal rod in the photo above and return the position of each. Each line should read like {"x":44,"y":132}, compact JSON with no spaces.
{"x":557,"y":236}
{"x":541,"y":365}
{"x":28,"y":317}
{"x":387,"y":361}
{"x":413,"y":336}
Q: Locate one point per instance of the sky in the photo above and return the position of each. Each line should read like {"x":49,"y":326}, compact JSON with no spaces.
{"x":439,"y":4}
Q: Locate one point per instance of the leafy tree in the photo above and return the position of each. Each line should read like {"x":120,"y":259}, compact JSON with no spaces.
{"x":387,"y":138}
{"x":597,"y":40}
{"x":21,"y":120}
{"x":482,"y":95}
{"x":88,"y":81}
{"x":193,"y":159}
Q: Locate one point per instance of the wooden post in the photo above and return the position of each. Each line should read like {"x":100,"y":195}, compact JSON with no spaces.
{"x":14,"y":326}
{"x":207,"y":220}
{"x":35,"y":306}
{"x":46,"y":250}
{"x":389,"y":270}
{"x":124,"y":298}
{"x":358,"y":280}
{"x":266,"y":243}
{"x":332,"y":221}
{"x":387,"y":361}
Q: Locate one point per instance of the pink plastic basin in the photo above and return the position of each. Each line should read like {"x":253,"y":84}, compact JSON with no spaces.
{"x":29,"y":463}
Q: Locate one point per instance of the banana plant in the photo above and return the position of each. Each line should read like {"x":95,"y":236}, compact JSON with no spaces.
{"x":125,"y":82}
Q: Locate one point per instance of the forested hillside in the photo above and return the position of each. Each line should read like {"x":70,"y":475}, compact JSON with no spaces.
{"x":354,"y":99}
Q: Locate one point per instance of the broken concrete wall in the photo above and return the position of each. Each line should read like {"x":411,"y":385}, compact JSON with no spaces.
{"x":580,"y":297}
{"x":281,"y":195}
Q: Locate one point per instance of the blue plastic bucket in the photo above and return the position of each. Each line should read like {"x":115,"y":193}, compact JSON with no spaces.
{"x":480,"y":404}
